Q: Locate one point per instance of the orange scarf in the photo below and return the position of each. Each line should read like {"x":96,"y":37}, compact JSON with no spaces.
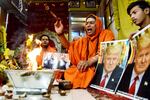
{"x":83,"y":49}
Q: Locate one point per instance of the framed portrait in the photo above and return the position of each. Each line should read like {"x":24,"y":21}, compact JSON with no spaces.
{"x":56,"y":61}
{"x":111,"y":65}
{"x":140,"y":53}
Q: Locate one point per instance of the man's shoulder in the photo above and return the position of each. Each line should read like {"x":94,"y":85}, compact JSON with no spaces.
{"x":117,"y":71}
{"x":147,"y":73}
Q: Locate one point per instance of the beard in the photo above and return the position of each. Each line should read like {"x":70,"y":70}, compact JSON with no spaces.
{"x":44,"y":46}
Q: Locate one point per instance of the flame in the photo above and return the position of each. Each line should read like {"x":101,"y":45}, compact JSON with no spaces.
{"x":29,"y":41}
{"x":31,"y":55}
{"x":32,"y":58}
{"x":30,"y":37}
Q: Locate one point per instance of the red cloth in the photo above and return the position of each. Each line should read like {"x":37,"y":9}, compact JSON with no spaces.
{"x":133,"y":86}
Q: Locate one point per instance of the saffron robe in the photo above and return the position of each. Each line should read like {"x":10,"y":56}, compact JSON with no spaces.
{"x":83,"y":49}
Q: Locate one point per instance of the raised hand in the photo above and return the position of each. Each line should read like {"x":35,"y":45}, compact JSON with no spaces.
{"x":58,"y":27}
{"x":58,"y":24}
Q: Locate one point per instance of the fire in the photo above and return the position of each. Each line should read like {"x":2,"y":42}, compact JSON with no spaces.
{"x":32,"y":58}
{"x":31,"y":55}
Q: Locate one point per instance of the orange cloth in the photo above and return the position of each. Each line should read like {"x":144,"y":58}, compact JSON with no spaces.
{"x":39,"y":58}
{"x":83,"y":49}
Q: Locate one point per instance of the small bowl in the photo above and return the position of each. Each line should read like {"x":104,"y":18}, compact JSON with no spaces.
{"x":62,"y":92}
{"x":65,"y":85}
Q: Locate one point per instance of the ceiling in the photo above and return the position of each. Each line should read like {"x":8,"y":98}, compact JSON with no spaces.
{"x":36,"y":17}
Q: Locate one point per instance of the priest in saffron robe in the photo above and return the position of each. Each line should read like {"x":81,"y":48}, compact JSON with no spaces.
{"x":83,"y":53}
{"x":47,"y":46}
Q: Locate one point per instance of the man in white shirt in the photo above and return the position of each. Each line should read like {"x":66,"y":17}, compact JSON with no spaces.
{"x":139,"y":11}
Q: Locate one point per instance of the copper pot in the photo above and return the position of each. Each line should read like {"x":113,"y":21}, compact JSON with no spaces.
{"x":65,"y":85}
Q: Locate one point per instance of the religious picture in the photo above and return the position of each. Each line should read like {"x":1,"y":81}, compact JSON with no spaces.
{"x":56,"y":61}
